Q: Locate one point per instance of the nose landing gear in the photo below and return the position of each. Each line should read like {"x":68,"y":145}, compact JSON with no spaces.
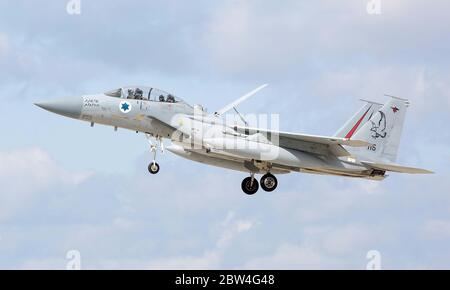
{"x":153,"y":167}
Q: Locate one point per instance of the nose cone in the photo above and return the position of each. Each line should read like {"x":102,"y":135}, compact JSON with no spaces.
{"x":70,"y":107}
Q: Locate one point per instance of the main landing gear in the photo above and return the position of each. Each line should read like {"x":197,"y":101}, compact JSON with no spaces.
{"x":250,"y":185}
{"x":268,"y":183}
{"x":153,"y":167}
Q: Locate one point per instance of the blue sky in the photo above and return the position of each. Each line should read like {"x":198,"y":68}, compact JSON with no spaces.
{"x":67,"y":186}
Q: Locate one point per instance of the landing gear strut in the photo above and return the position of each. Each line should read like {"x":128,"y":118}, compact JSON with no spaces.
{"x":269,"y":182}
{"x":153,"y":167}
{"x":250,"y":185}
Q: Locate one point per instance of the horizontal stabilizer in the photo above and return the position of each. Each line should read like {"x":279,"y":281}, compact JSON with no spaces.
{"x":396,"y":168}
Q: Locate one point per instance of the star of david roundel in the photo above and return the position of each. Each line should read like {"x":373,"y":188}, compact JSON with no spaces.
{"x":125,"y":107}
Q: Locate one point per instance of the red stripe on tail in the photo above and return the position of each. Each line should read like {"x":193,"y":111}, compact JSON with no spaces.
{"x":353,"y":130}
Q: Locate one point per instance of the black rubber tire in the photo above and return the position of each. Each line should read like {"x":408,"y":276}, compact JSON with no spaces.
{"x":249,"y":189}
{"x":153,"y":168}
{"x":269,"y":179}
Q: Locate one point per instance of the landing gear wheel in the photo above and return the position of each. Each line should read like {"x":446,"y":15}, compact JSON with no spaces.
{"x":250,"y":185}
{"x":153,"y":168}
{"x":269,"y":182}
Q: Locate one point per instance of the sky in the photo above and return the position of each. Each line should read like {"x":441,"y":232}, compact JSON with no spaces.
{"x":66,"y":187}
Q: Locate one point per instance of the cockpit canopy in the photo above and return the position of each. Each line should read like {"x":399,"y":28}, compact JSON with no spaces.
{"x":144,"y":93}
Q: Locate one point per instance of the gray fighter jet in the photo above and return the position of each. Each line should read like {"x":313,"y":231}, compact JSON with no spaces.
{"x":365,"y":147}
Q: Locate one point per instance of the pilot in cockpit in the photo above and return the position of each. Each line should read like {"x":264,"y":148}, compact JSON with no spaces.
{"x":130,"y":94}
{"x":138,"y":94}
{"x":170,"y":99}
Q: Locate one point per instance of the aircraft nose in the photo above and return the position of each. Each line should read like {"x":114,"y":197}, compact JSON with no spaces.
{"x":69,"y":107}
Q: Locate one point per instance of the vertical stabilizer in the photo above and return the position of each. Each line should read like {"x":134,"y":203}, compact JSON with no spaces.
{"x":358,"y":120}
{"x":383,"y":130}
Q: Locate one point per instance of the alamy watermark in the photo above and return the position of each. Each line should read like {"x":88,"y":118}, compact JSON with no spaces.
{"x":374,"y":258}
{"x":201,"y":131}
{"x":74,"y":260}
{"x":73,"y":7}
{"x":374,"y":7}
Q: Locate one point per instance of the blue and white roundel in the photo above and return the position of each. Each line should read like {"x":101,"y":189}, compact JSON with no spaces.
{"x":125,"y":107}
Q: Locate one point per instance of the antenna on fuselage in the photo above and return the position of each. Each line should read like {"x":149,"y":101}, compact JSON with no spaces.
{"x":234,"y":104}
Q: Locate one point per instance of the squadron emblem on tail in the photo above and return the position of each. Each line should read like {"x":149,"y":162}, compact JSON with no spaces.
{"x":379,"y":127}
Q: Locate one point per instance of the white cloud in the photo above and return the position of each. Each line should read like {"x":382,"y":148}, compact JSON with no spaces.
{"x":437,"y":229}
{"x":25,"y":173}
{"x":426,"y":87}
{"x":211,"y":258}
{"x":4,"y":46}
{"x":324,"y":196}
{"x":288,"y":256}
{"x":47,"y":264}
{"x":242,"y":36}
{"x":345,"y":240}
{"x":268,"y":40}
{"x":324,"y":247}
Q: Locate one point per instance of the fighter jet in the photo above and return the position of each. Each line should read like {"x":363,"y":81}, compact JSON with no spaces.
{"x":365,"y":146}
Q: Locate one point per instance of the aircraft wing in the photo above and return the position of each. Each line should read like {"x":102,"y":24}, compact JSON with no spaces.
{"x":308,"y":143}
{"x":396,"y":168}
{"x":304,"y":137}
